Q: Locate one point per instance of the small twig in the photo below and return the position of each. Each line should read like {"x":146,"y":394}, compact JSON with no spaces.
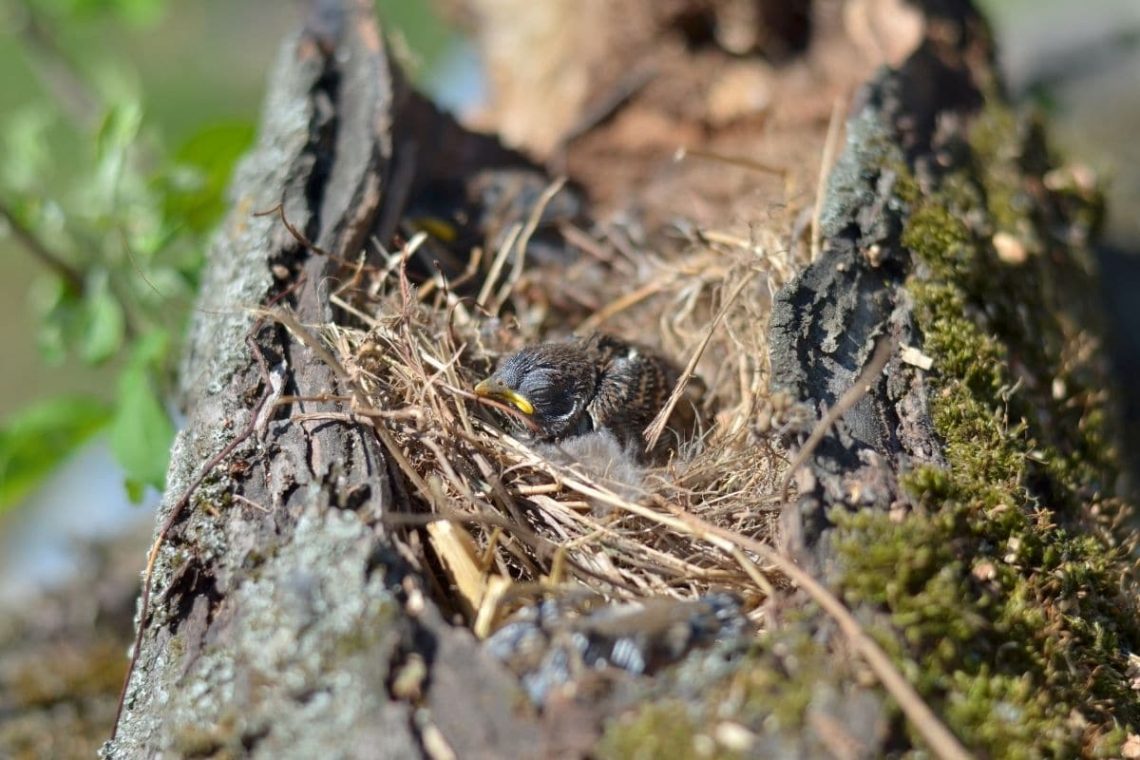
{"x":524,"y":240}
{"x":824,"y":169}
{"x":541,"y":545}
{"x":299,"y":236}
{"x":343,"y":417}
{"x":136,"y":264}
{"x":59,"y":73}
{"x":626,"y":88}
{"x":320,"y":398}
{"x":71,"y":276}
{"x":628,"y":300}
{"x":287,"y":318}
{"x":497,"y":265}
{"x":747,"y":163}
{"x":250,"y":502}
{"x":752,"y":570}
{"x":860,"y":388}
{"x":408,"y":304}
{"x":586,"y":243}
{"x":657,"y":427}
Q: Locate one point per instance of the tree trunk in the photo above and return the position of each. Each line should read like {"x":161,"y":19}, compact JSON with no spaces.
{"x":279,"y":619}
{"x":282,"y":619}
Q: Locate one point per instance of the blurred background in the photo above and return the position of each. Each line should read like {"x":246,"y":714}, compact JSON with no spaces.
{"x":120,"y":122}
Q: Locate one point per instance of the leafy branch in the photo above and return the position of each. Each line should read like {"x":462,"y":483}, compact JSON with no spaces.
{"x":36,"y":247}
{"x":118,"y":222}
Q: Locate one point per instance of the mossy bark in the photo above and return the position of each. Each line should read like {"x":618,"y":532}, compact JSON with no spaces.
{"x":971,"y":514}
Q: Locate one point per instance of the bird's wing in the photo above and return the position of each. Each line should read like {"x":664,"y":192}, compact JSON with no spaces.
{"x":632,"y":387}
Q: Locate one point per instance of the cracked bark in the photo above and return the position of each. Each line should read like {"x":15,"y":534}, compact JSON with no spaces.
{"x":278,"y":623}
{"x":825,"y":324}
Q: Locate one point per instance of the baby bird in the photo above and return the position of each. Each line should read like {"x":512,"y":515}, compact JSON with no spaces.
{"x":599,"y":382}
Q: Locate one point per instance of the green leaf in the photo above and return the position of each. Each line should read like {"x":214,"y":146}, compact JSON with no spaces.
{"x":118,"y":130}
{"x":113,"y":143}
{"x":194,"y":188}
{"x":138,"y":12}
{"x":105,"y":326}
{"x":25,"y":148}
{"x":36,"y":439}
{"x":59,"y":311}
{"x":141,"y":431}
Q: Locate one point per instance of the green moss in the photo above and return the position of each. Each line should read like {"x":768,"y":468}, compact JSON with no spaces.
{"x":660,"y":730}
{"x":1005,"y":588}
{"x":769,"y":690}
{"x":58,"y":693}
{"x":95,"y":670}
{"x":777,"y":682}
{"x":371,"y":634}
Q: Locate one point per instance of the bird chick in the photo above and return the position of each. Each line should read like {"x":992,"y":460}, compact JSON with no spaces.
{"x":601,"y":458}
{"x":588,"y":384}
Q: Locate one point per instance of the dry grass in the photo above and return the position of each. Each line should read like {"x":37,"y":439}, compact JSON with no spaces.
{"x":506,"y":518}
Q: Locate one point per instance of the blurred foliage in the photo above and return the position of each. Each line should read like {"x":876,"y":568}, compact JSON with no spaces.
{"x":32,"y":441}
{"x":119,"y":221}
{"x":416,"y":34}
{"x":116,"y":203}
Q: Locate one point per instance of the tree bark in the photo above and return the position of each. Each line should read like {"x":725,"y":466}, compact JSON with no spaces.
{"x":280,"y":614}
{"x":826,"y":324}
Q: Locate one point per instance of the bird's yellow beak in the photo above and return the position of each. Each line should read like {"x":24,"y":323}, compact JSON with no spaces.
{"x":492,"y":388}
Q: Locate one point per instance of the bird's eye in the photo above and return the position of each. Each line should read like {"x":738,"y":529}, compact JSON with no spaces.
{"x":540,"y":376}
{"x":556,"y":403}
{"x":551,"y":398}
{"x":536,"y":382}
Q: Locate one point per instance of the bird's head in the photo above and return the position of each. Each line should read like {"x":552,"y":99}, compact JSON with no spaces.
{"x":550,"y":383}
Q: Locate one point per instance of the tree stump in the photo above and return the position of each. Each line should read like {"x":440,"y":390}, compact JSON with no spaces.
{"x":964,"y":507}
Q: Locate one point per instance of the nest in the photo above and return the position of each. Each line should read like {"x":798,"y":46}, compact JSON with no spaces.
{"x":497,"y":519}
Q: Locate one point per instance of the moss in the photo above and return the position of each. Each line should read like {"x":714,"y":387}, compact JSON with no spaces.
{"x":776,"y":683}
{"x":660,"y":730}
{"x":770,"y":690}
{"x":1005,"y":589}
{"x":370,"y":635}
{"x":67,"y":674}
